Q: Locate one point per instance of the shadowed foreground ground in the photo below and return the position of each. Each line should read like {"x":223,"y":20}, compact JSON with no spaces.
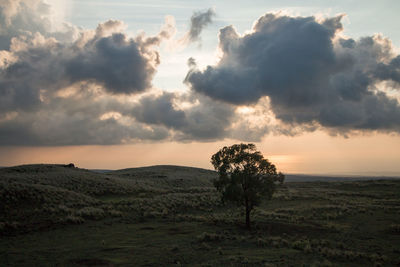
{"x":168,"y":215}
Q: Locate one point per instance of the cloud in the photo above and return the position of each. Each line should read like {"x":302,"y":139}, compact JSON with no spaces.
{"x":191,"y":116}
{"x":199,"y":117}
{"x":19,"y":17}
{"x":36,"y":65}
{"x":198,"y":22}
{"x":120,"y":64}
{"x":66,"y":86}
{"x":69,"y":86}
{"x":59,"y":88}
{"x":309,"y":73}
{"x":80,"y":116}
{"x":23,"y":18}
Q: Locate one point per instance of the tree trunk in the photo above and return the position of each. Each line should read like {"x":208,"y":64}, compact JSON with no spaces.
{"x":247,"y":215}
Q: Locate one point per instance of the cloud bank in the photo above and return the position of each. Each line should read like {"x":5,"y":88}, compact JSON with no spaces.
{"x":93,"y":86}
{"x":106,"y":57}
{"x":310,"y":74}
{"x":70,"y":86}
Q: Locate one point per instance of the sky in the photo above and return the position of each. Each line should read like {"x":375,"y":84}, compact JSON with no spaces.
{"x":118,"y":84}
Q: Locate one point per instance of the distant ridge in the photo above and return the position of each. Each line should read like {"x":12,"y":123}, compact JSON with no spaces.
{"x":289,"y":177}
{"x":171,"y":170}
{"x":165,"y":167}
{"x":333,"y":178}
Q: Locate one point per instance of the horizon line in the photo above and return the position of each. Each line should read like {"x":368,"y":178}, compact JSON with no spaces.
{"x":328,"y":174}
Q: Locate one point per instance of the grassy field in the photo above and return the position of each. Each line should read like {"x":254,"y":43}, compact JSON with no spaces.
{"x":53,"y":215}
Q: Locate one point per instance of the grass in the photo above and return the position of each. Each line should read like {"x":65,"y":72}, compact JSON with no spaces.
{"x":168,"y":215}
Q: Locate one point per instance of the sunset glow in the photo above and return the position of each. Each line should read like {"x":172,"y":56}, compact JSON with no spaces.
{"x":111,"y":85}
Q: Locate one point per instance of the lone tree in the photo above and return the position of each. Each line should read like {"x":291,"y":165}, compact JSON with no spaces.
{"x":245,"y":176}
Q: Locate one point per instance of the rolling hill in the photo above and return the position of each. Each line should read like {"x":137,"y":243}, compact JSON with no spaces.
{"x":172,"y":215}
{"x":42,"y":195}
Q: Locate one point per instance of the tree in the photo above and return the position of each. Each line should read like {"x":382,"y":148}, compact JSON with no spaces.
{"x":245,"y":176}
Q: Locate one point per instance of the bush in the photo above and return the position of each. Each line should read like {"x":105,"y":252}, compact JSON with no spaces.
{"x":207,"y":237}
{"x":91,"y":213}
{"x":74,"y":219}
{"x":114,"y":213}
{"x":301,"y":245}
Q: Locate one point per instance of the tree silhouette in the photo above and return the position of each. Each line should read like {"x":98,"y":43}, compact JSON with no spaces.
{"x":245,"y":176}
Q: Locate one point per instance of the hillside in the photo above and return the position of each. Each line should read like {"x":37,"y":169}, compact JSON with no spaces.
{"x":169,"y":176}
{"x":66,"y":178}
{"x":42,"y":195}
{"x":172,"y":215}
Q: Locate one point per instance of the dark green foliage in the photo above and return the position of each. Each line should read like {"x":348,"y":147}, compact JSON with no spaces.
{"x":245,"y":176}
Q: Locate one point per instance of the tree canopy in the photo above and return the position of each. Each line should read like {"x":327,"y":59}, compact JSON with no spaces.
{"x":245,"y":176}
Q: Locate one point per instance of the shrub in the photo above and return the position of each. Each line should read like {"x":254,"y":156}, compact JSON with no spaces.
{"x":207,"y":237}
{"x":114,"y":213}
{"x":74,"y":219}
{"x":301,"y":244}
{"x":90,"y":213}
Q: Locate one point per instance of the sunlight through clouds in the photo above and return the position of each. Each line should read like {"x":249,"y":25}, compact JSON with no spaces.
{"x":102,"y":73}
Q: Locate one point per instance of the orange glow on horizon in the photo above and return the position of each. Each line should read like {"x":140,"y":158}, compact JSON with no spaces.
{"x":315,"y":152}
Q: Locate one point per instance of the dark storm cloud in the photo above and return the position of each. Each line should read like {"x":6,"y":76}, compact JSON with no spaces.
{"x":372,"y":112}
{"x":74,"y":131}
{"x":308,"y":73}
{"x":84,"y":119}
{"x":119,"y":64}
{"x":64,"y":87}
{"x":389,"y":71}
{"x":159,"y":110}
{"x":116,"y":62}
{"x":204,"y":119}
{"x":283,"y":52}
{"x":79,"y":87}
{"x":77,"y":120}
